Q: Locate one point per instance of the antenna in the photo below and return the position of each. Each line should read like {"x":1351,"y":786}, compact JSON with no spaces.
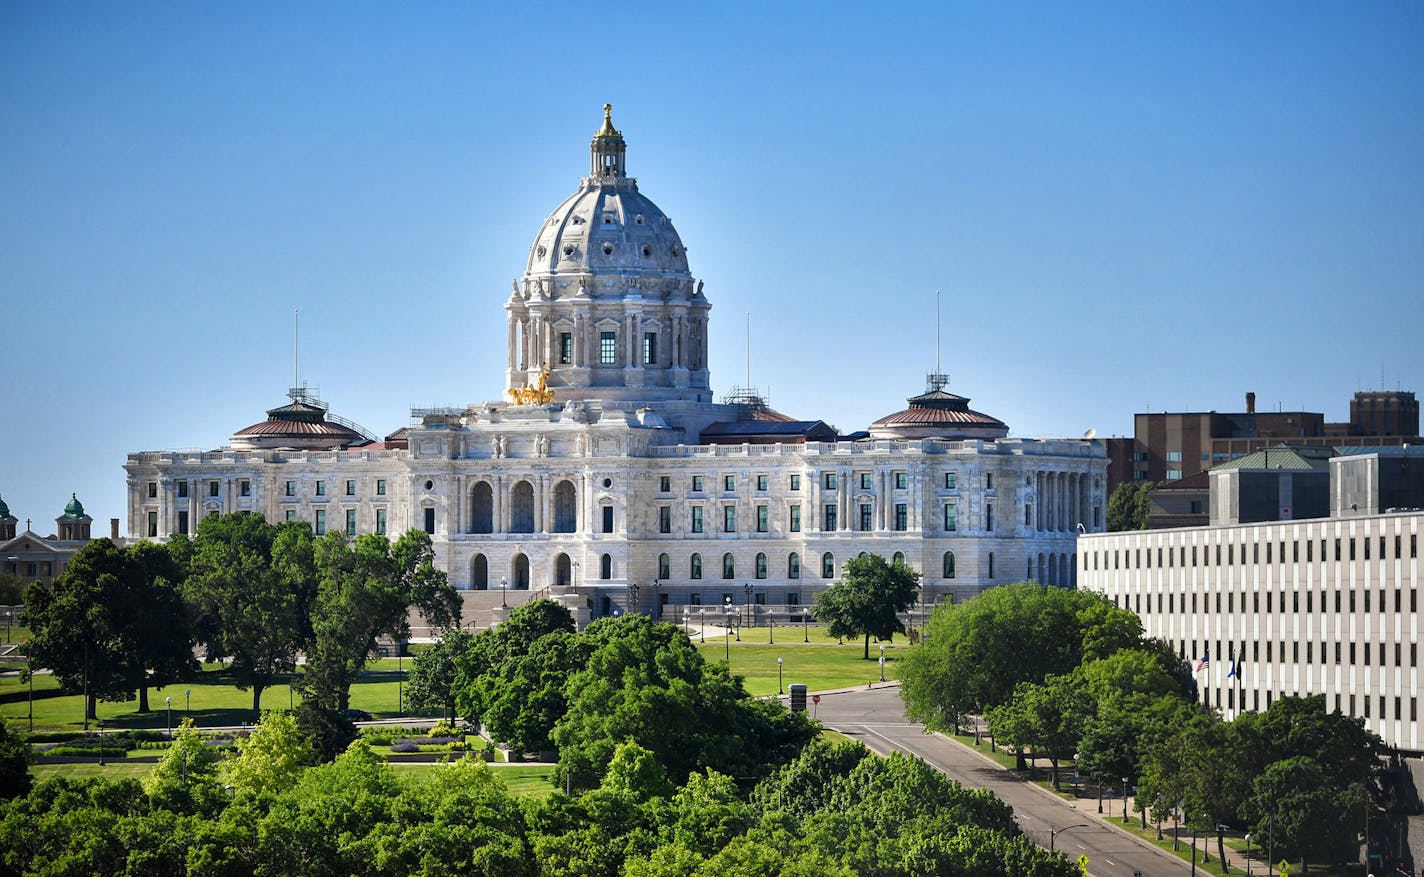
{"x":937,"y":368}
{"x":936,"y":380}
{"x":296,"y":345}
{"x":749,"y":348}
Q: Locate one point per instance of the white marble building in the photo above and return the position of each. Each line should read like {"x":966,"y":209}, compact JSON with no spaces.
{"x":613,"y":481}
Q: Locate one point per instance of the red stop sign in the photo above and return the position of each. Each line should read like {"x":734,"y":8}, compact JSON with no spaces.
{"x":815,"y":698}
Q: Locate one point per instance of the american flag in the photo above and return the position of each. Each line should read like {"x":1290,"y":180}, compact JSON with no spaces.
{"x":1203,"y":661}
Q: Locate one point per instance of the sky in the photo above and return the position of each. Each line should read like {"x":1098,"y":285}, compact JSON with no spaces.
{"x":1119,"y":207}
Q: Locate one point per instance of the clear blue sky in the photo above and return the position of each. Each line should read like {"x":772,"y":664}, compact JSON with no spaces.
{"x":1127,"y":206}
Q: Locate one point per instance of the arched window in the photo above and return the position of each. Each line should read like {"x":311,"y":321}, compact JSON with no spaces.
{"x":563,"y":570}
{"x":664,"y":566}
{"x":828,"y":566}
{"x":521,"y":572}
{"x":899,"y":558}
{"x":482,"y":508}
{"x":565,"y":508}
{"x":479,"y":572}
{"x":521,"y":508}
{"x":729,"y":566}
{"x":1052,"y":577}
{"x":605,"y":567}
{"x":949,"y":564}
{"x":694,"y":567}
{"x":1042,"y":569}
{"x":761,"y":565}
{"x":793,"y":566}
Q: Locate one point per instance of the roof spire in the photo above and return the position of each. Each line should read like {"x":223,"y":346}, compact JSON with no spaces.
{"x":608,"y":130}
{"x":607,"y":149}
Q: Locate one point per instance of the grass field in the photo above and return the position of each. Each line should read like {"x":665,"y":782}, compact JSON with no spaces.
{"x":820,"y":665}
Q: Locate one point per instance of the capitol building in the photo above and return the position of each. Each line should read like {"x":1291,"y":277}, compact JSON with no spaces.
{"x":609,"y":478}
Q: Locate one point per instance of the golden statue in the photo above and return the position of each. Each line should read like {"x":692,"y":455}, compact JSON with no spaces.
{"x":539,"y":394}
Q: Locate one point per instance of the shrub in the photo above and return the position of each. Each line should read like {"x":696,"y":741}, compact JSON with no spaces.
{"x":445,"y":729}
{"x":109,"y":751}
{"x":406,"y":746}
{"x":377,"y":739}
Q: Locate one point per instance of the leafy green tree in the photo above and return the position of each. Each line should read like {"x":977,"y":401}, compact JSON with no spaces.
{"x":524,"y":696}
{"x":636,"y":771}
{"x":431,"y":686}
{"x":77,"y":625}
{"x":157,"y":626}
{"x":1048,"y":718}
{"x":365,"y":590}
{"x":253,"y":585}
{"x":1303,"y":809}
{"x":185,"y":780}
{"x":15,"y":759}
{"x":12,"y":589}
{"x":270,"y":759}
{"x":975,"y":653}
{"x":868,"y":599}
{"x":1128,"y":506}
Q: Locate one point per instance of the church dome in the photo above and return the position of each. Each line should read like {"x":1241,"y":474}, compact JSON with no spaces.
{"x":74,"y":508}
{"x":941,"y":415}
{"x":4,"y":509}
{"x":608,"y":225}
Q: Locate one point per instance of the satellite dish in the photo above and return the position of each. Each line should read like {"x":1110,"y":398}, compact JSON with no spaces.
{"x":1090,"y":434}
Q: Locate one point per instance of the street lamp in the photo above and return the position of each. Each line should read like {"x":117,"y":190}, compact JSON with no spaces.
{"x":748,"y":588}
{"x":576,"y":569}
{"x":779,"y":688}
{"x":1054,"y":832}
{"x":101,"y":742}
{"x":400,"y":679}
{"x":771,"y":629}
{"x":726,"y":640}
{"x":1124,"y":800}
{"x":658,"y":600}
{"x":882,"y":662}
{"x":169,"y":701}
{"x":1248,"y":854}
{"x":503,"y":588}
{"x":805,"y":618}
{"x":187,"y":700}
{"x":702,"y":613}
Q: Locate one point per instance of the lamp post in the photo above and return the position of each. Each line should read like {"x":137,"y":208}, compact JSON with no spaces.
{"x":779,"y":688}
{"x":400,"y":679}
{"x":575,"y":576}
{"x":101,"y":742}
{"x":657,"y":600}
{"x":750,"y":611}
{"x":1248,"y":854}
{"x":1054,"y":832}
{"x":702,"y":614}
{"x":1124,"y":800}
{"x":771,"y":629}
{"x":503,"y":589}
{"x":169,"y":702}
{"x":726,"y":640}
{"x":187,"y":701}
{"x":805,"y":619}
{"x":882,"y":662}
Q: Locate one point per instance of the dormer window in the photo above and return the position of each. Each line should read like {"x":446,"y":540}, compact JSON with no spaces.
{"x":639,"y":219}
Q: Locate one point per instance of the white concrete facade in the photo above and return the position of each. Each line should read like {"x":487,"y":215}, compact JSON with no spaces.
{"x":1326,"y":606}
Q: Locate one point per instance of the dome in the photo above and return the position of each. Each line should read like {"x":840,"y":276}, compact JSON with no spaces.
{"x":938,"y":414}
{"x":74,"y":508}
{"x":4,"y":509}
{"x":607,"y":225}
{"x":299,"y":424}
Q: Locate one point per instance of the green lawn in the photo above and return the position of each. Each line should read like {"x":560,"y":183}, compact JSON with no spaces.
{"x":820,"y":665}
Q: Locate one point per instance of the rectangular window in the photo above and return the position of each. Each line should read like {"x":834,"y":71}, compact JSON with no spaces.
{"x":321,"y":488}
{"x":608,"y":519}
{"x":664,"y":519}
{"x":321,"y":520}
{"x":153,"y":525}
{"x":566,"y":348}
{"x":866,"y":511}
{"x":988,"y":480}
{"x":350,"y":487}
{"x":650,"y":348}
{"x":182,"y":488}
{"x":729,"y":483}
{"x":951,"y":481}
{"x":664,"y":484}
{"x":607,"y":348}
{"x":244,"y":488}
{"x":902,"y":480}
{"x":795,"y":482}
{"x":794,"y":515}
{"x":182,"y":522}
{"x":213,"y":488}
{"x":697,"y":484}
{"x":729,"y":519}
{"x":697,"y":519}
{"x":829,"y":481}
{"x":951,"y":517}
{"x":380,"y":487}
{"x":380,"y":522}
{"x":430,"y":520}
{"x":828,"y":522}
{"x":865,"y":481}
{"x":350,"y":522}
{"x":1174,"y":456}
{"x":761,"y":483}
{"x":291,"y":515}
{"x":761,"y":520}
{"x":153,"y":490}
{"x":989,"y":517}
{"x":902,"y":516}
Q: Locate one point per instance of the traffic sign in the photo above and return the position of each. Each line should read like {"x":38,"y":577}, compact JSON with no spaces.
{"x":815,"y":698}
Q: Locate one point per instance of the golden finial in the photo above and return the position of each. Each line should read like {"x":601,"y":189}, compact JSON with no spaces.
{"x":608,"y":130}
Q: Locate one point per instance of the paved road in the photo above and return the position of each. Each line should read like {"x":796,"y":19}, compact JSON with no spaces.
{"x":876,"y":718}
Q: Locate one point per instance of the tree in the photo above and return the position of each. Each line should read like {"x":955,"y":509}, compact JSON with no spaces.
{"x":253,"y":585}
{"x":185,"y":779}
{"x":76,"y":626}
{"x":1048,"y":718}
{"x":1128,"y":506}
{"x":270,"y":759}
{"x":15,"y":759}
{"x":868,"y":599}
{"x":157,"y":626}
{"x":975,"y":653}
{"x":365,"y":590}
{"x":1302,"y":809}
{"x":431,"y":686}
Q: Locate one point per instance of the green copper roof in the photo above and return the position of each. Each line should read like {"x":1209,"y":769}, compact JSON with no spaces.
{"x":4,"y":509}
{"x":1285,"y":457}
{"x":74,"y":509}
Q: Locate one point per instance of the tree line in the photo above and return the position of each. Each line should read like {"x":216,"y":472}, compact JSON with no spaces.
{"x":253,"y":594}
{"x":1065,"y":674}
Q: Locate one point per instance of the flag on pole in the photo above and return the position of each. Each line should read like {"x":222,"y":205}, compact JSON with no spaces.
{"x":1203,"y":661}
{"x":1231,"y":670}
